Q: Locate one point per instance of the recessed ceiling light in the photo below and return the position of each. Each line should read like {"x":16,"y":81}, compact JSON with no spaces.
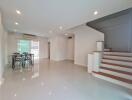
{"x":16,"y":23}
{"x":66,"y":34}
{"x":95,"y":12}
{"x":50,"y":31}
{"x":60,"y":27}
{"x":18,"y":12}
{"x":50,"y":93}
{"x":15,"y":95}
{"x":42,"y":84}
{"x":0,"y":83}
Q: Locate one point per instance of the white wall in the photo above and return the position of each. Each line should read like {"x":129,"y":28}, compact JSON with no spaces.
{"x":12,"y":43}
{"x":58,"y":48}
{"x":70,"y":49}
{"x":53,"y":48}
{"x":6,"y":46}
{"x":3,"y":48}
{"x":117,"y":29}
{"x":1,"y":33}
{"x":43,"y":47}
{"x":13,"y":38}
{"x":85,"y":42}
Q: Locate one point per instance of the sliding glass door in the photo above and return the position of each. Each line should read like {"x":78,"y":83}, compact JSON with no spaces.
{"x":23,"y":46}
{"x":28,"y":46}
{"x":35,"y":49}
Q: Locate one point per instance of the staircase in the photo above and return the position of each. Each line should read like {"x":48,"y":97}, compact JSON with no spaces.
{"x":116,"y":67}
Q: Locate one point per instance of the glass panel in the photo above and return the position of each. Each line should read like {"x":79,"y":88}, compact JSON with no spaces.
{"x":24,"y":46}
{"x":35,"y":49}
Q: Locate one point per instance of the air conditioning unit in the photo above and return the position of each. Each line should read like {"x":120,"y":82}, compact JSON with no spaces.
{"x":29,"y":36}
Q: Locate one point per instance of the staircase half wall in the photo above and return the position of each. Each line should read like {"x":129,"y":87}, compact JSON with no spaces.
{"x":85,"y":42}
{"x":117,"y":29}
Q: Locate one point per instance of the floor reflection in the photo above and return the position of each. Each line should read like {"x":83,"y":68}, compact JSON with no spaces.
{"x":63,"y":80}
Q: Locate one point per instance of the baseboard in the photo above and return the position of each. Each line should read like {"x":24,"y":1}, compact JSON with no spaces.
{"x":83,"y":65}
{"x":69,"y":59}
{"x":58,"y":60}
{"x":43,"y":57}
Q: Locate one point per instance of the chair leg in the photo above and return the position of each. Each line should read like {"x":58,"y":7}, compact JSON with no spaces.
{"x":13,"y":64}
{"x":23,"y":64}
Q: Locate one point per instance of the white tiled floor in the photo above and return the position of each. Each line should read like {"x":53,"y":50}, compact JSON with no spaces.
{"x":58,"y":81}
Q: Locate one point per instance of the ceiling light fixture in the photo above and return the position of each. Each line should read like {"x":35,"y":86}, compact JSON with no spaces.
{"x":95,"y":12}
{"x":15,"y":95}
{"x":18,"y":12}
{"x":50,"y":31}
{"x":60,"y":27}
{"x":66,"y":34}
{"x":0,"y":83}
{"x":42,"y":84}
{"x":16,"y":23}
{"x":50,"y":93}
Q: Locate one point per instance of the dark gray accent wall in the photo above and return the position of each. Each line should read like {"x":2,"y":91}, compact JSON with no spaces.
{"x":117,"y":29}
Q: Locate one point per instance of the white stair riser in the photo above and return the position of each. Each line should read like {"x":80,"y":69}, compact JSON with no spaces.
{"x":116,"y":74}
{"x":129,"y":86}
{"x":117,"y":67}
{"x":118,"y":57}
{"x":117,"y":62}
{"x":118,"y":53}
{"x":106,"y":50}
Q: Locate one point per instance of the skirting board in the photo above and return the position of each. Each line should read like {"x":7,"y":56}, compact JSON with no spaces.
{"x":80,"y":64}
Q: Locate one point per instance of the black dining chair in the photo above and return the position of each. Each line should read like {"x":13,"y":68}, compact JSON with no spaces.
{"x":16,"y":57}
{"x":27,"y":58}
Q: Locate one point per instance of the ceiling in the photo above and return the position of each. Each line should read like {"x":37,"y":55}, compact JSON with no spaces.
{"x":44,"y":17}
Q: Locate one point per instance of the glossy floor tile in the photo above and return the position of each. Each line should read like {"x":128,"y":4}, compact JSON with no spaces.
{"x":48,"y":80}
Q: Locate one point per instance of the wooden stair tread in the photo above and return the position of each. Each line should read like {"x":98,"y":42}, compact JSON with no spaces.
{"x":119,"y":71}
{"x":115,"y":77}
{"x":117,"y":65}
{"x":117,"y":60}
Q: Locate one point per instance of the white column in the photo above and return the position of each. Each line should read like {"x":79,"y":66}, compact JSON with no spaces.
{"x":97,"y":61}
{"x":100,"y":45}
{"x":1,"y":53}
{"x":1,"y":33}
{"x":90,"y":63}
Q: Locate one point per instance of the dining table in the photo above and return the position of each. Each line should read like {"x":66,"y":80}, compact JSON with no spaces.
{"x":22,"y":59}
